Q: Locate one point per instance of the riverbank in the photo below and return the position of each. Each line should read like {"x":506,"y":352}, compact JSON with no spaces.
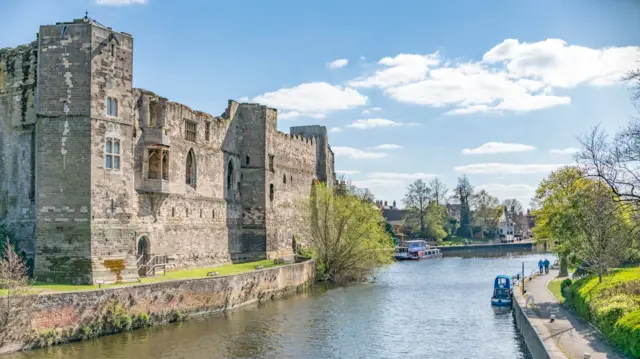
{"x":62,"y":317}
{"x":613,"y":306}
{"x":567,"y":336}
{"x":527,"y":246}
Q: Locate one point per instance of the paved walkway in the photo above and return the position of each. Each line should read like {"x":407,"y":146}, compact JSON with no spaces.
{"x":570,"y":333}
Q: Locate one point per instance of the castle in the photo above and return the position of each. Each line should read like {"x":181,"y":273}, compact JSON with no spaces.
{"x":99,"y":178}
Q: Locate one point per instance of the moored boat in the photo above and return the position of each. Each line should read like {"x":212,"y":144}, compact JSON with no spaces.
{"x":502,"y":291}
{"x":417,"y":249}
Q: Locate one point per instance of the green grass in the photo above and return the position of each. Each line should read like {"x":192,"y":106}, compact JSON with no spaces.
{"x":461,"y":241}
{"x":554,"y":287}
{"x":226,"y":269}
{"x":613,"y":306}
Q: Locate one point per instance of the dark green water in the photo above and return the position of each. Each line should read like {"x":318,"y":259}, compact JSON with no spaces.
{"x":428,"y":309}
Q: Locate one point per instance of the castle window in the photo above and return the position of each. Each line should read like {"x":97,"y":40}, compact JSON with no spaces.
{"x":247,"y":160}
{"x":112,"y":106}
{"x":190,"y":178}
{"x":271,"y":163}
{"x":153,"y":113}
{"x":155,"y":164}
{"x":271,"y":192}
{"x":284,"y":179}
{"x":113,"y":50}
{"x":213,"y":213}
{"x":206,"y":130}
{"x":173,"y":211}
{"x":291,"y":178}
{"x":65,"y":107}
{"x":229,"y":176}
{"x":112,"y":154}
{"x":190,"y":130}
{"x":165,"y":165}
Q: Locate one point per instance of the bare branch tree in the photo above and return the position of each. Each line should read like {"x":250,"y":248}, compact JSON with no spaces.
{"x":439,"y":191}
{"x":15,"y":299}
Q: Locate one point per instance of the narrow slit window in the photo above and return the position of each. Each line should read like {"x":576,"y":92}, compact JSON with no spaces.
{"x":207,"y":128}
{"x":271,"y":192}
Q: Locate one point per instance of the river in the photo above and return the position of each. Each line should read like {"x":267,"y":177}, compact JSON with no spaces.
{"x":428,"y":309}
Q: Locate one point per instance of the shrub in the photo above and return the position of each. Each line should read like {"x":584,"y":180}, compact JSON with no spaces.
{"x":142,"y":320}
{"x":565,"y":284}
{"x":116,"y":319}
{"x":626,"y":333}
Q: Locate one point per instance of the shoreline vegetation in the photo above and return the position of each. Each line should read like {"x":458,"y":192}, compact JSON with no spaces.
{"x":612,"y":305}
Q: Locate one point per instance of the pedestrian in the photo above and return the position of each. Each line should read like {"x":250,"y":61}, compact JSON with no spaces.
{"x":540,"y":265}
{"x":546,"y":265}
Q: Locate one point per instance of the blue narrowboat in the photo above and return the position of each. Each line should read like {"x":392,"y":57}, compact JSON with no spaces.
{"x":502,"y":291}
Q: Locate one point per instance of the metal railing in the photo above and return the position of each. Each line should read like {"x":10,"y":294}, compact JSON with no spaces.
{"x":158,"y":261}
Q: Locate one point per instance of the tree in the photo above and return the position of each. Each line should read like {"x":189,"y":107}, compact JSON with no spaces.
{"x":487,"y":210}
{"x":603,"y":228}
{"x":15,"y":302}
{"x":345,"y":235}
{"x":463,"y":193}
{"x":346,"y":187}
{"x":436,"y":220}
{"x":439,"y":191}
{"x":554,"y":222}
{"x":416,"y":201}
{"x":513,"y":205}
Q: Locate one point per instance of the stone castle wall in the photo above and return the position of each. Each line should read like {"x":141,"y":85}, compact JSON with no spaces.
{"x":227,"y":194}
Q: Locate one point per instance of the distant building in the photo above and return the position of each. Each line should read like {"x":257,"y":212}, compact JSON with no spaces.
{"x":393,"y":215}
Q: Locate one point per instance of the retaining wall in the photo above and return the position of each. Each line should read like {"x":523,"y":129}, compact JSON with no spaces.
{"x":533,"y":332}
{"x":66,"y":312}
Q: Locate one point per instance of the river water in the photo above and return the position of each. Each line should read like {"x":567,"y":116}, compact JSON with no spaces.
{"x":428,"y":309}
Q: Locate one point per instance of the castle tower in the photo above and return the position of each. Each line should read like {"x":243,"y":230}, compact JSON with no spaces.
{"x":83,"y":152}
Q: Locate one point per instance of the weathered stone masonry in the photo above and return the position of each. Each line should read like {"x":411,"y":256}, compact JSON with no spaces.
{"x":96,"y":173}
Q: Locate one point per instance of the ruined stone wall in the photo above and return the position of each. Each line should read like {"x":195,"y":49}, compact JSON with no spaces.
{"x":291,"y":177}
{"x":63,"y":133}
{"x":324,"y":165}
{"x":18,"y":76}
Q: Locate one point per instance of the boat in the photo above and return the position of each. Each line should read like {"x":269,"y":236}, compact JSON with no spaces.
{"x":416,"y":250}
{"x":502,"y":291}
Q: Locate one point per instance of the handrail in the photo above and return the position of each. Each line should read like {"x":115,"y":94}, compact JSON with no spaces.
{"x":157,"y":261}
{"x":139,"y":263}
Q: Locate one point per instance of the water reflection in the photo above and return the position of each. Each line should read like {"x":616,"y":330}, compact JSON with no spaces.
{"x":428,"y":309}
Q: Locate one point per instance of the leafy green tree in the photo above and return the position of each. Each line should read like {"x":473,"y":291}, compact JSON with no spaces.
{"x":463,"y":193}
{"x":436,"y":220}
{"x":553,"y":202}
{"x":487,"y":211}
{"x":345,"y":234}
{"x":416,"y":201}
{"x":603,"y":227}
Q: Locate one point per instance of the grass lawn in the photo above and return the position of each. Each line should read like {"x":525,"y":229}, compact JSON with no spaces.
{"x":554,"y":287}
{"x":460,"y":241}
{"x":171,"y":275}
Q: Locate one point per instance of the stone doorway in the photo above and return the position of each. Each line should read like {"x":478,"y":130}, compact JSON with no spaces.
{"x":143,"y":255}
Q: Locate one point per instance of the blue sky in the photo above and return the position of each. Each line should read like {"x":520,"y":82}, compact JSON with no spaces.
{"x":411,"y":89}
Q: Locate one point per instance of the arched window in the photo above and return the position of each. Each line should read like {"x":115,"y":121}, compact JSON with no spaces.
{"x":165,"y":165}
{"x":230,"y":176}
{"x":271,"y":192}
{"x":190,"y":178}
{"x":155,"y":168}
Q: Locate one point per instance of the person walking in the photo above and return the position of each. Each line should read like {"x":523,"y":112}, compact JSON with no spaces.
{"x":546,"y":266}
{"x":540,"y":265}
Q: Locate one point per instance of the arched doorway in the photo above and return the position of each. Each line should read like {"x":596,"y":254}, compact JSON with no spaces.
{"x":143,"y":251}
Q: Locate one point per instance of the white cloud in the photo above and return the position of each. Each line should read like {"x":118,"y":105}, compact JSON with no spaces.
{"x":370,"y":110}
{"x":347,"y":172}
{"x":339,"y":63}
{"x":512,"y":76}
{"x":558,"y":64}
{"x":497,"y":147}
{"x":473,"y":88}
{"x":120,"y":2}
{"x":243,"y":99}
{"x":565,"y":151}
{"x":402,"y":69}
{"x":507,"y":168}
{"x":400,"y":176}
{"x":335,"y":129}
{"x":366,"y":124}
{"x":313,"y":99}
{"x":387,"y":146}
{"x":356,"y":153}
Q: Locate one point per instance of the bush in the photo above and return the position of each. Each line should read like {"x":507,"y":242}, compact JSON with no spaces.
{"x":142,"y":320}
{"x":116,"y":318}
{"x":565,"y":284}
{"x":613,"y":305}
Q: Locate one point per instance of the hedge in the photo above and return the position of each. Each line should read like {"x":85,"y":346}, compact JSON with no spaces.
{"x":613,"y":306}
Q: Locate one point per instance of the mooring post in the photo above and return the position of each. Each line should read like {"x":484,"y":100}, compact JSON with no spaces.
{"x":523,"y":278}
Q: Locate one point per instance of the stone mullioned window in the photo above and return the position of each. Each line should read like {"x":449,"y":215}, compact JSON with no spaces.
{"x":112,"y":154}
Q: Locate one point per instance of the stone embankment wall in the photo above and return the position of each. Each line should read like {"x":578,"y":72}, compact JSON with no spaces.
{"x":69,"y":314}
{"x":533,"y":333}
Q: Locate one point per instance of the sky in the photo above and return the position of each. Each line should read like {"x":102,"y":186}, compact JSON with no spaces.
{"x":499,"y":91}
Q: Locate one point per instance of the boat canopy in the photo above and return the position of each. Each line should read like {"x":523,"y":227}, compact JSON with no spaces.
{"x":502,"y":281}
